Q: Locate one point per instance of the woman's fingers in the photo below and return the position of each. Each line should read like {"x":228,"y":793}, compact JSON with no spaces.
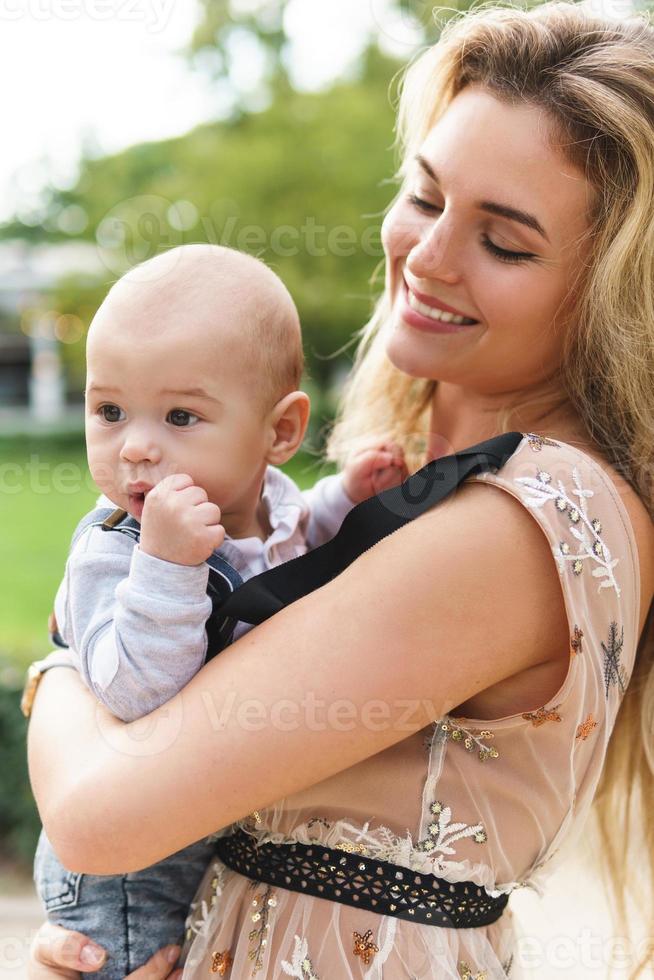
{"x":159,"y":966}
{"x":58,"y":952}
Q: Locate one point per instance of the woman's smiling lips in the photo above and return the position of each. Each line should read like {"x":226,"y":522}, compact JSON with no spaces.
{"x":423,"y":321}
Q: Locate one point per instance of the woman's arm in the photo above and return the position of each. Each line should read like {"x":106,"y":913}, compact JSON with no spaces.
{"x":453,"y":603}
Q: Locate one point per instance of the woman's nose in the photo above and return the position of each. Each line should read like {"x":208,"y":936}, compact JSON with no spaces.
{"x":140,"y":446}
{"x":435,"y":254}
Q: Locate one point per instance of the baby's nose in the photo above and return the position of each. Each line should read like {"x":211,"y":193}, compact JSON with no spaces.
{"x":140,"y":446}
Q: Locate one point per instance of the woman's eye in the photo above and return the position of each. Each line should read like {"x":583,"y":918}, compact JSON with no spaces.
{"x":499,"y":253}
{"x":111,"y":413}
{"x":422,"y":205}
{"x":181,"y":418}
{"x":503,"y":255}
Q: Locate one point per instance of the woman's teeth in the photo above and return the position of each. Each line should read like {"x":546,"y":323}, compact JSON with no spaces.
{"x":435,"y":314}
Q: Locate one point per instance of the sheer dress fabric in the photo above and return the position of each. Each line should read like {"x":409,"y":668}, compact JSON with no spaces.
{"x":490,"y":801}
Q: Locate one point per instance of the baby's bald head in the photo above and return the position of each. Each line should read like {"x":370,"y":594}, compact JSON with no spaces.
{"x":229,"y":304}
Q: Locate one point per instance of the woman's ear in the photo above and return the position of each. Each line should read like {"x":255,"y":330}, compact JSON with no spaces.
{"x":288,"y":423}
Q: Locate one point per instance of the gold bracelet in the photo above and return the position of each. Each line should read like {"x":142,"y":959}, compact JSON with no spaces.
{"x":35,"y":672}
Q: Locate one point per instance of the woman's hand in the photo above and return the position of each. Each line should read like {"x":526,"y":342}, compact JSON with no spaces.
{"x":57,"y":952}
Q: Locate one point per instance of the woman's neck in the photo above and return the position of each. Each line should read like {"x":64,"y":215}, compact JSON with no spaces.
{"x":459,"y":420}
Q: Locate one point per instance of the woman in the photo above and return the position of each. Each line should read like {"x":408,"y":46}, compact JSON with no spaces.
{"x":458,"y":728}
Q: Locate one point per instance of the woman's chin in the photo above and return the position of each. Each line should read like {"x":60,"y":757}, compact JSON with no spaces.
{"x":405,"y":355}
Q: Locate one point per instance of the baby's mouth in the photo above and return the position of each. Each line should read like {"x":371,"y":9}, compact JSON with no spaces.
{"x":136,"y":503}
{"x":136,"y":494}
{"x":138,"y":489}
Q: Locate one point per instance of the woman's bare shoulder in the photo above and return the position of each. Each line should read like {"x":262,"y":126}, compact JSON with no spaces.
{"x":537,"y":682}
{"x":639,"y":518}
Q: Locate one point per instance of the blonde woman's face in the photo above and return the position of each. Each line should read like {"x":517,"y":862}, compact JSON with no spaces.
{"x":450,"y":239}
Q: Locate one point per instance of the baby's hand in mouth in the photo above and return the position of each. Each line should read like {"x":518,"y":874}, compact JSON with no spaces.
{"x":179,"y":524}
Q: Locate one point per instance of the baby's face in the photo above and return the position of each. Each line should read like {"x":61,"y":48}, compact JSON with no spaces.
{"x":168,"y":391}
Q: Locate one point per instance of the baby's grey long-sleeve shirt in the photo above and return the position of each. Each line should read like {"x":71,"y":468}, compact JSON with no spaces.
{"x":136,"y":623}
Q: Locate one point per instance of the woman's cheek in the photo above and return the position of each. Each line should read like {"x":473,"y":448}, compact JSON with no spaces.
{"x":398,"y":238}
{"x":396,"y":232}
{"x":386,"y":230}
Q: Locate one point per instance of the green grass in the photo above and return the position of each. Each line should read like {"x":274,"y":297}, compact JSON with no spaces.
{"x":36,"y":523}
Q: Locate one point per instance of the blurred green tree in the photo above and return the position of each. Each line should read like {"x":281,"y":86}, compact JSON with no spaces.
{"x":302,"y":182}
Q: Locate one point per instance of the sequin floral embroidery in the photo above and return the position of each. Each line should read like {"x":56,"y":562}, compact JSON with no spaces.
{"x":221,"y":963}
{"x":258,"y":936}
{"x":537,"y":442}
{"x":585,"y":530}
{"x":471,"y":741}
{"x":441,"y":834}
{"x":300,"y":965}
{"x":542,"y":715}
{"x":198,"y":916}
{"x":614,"y":671}
{"x":382,"y":843}
{"x":466,"y":973}
{"x":586,"y":727}
{"x":364,"y":946}
{"x":350,"y":847}
{"x":575,"y":641}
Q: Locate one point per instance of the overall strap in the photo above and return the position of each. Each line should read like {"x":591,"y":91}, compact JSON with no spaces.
{"x":366,"y":524}
{"x":109,"y":519}
{"x":223,"y":580}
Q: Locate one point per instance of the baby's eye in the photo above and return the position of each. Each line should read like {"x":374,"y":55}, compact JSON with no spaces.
{"x":181,"y":418}
{"x":111,"y":413}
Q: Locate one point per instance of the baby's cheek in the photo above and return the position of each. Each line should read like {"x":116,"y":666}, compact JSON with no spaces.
{"x":102,"y":470}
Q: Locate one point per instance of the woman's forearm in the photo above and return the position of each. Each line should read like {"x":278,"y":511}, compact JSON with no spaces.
{"x":63,"y":740}
{"x":237,"y":738}
{"x":94,"y":777}
{"x":336,"y":677}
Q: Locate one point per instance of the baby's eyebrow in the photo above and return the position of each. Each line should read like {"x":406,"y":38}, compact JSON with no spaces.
{"x":96,"y":387}
{"x":191,"y":393}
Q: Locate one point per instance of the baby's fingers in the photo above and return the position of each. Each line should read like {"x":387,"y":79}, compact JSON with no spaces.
{"x":373,"y":459}
{"x":396,"y":452}
{"x":208,"y":513}
{"x":176,"y":481}
{"x":390,"y":476}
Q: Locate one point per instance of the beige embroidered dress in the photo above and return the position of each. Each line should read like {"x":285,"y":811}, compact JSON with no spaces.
{"x":464,"y":799}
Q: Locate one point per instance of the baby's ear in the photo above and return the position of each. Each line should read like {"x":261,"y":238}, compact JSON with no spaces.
{"x":288,"y":424}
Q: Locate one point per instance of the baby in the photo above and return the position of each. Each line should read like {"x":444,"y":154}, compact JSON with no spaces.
{"x":192,"y":404}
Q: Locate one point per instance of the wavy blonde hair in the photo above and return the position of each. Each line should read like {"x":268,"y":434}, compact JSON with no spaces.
{"x":594,"y":76}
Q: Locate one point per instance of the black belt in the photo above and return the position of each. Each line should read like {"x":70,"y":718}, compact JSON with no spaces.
{"x":362,"y":882}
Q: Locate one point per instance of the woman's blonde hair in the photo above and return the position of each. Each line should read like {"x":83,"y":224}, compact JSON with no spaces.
{"x":594,"y":76}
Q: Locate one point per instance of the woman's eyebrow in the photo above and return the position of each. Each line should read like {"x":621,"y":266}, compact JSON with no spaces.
{"x":502,"y":210}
